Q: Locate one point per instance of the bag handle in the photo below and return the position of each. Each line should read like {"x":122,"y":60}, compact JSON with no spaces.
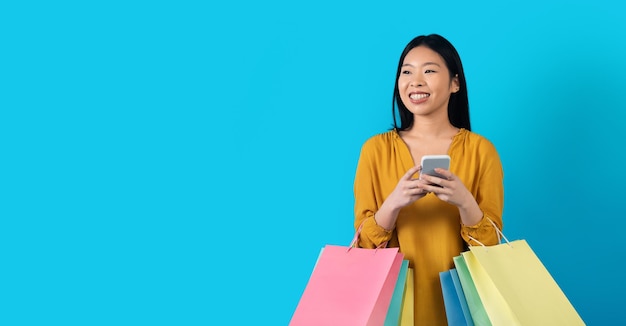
{"x":353,"y":243}
{"x":499,"y":233}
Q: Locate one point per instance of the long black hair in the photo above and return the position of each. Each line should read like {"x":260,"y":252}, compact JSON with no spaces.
{"x":458,"y":106}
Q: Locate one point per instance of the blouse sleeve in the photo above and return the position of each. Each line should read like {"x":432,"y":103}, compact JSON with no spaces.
{"x":489,"y":194}
{"x":368,"y":198}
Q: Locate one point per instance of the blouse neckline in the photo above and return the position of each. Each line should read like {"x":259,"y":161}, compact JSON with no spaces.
{"x":406,"y":155}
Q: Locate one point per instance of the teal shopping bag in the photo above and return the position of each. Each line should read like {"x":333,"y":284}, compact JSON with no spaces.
{"x":395,"y":306}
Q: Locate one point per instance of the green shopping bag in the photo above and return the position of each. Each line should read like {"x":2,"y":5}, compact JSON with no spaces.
{"x":476,"y":308}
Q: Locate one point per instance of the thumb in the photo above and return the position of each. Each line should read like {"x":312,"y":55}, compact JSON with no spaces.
{"x":409,"y":174}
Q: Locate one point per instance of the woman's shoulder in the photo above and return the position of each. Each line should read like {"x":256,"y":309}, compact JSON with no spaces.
{"x":471,"y":139}
{"x":381,"y":140}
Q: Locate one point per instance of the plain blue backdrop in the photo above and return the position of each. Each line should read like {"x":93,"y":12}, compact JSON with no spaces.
{"x":183,"y":162}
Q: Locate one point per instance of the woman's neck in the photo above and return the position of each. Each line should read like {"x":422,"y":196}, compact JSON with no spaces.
{"x":429,"y":129}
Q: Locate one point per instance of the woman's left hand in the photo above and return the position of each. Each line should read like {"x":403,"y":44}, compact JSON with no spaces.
{"x":451,"y":189}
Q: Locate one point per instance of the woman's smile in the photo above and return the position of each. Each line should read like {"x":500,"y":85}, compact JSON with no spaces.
{"x":418,"y":97}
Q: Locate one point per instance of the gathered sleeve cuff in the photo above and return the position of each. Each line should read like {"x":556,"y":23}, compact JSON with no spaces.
{"x":485,"y":232}
{"x":372,"y":235}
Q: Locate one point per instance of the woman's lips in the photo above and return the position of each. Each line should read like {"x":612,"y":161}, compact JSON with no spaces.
{"x":418,"y":97}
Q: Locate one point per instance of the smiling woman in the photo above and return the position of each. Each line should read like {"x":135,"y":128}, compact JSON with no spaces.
{"x":425,"y":82}
{"x":431,"y":219}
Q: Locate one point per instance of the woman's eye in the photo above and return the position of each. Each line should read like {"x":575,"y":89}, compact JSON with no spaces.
{"x":405,"y":72}
{"x":429,"y":71}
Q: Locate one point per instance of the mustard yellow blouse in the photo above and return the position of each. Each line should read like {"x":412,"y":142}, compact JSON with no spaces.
{"x":428,"y":232}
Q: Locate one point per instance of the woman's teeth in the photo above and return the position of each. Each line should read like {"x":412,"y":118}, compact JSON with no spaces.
{"x":418,"y":96}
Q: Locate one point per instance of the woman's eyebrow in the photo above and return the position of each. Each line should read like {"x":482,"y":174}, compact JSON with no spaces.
{"x":423,"y":65}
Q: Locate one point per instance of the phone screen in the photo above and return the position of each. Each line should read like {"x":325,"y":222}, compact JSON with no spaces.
{"x":430,"y":162}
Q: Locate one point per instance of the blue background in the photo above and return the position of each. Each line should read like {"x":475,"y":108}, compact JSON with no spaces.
{"x":182,"y":163}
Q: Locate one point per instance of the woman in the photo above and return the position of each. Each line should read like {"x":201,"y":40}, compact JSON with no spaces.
{"x":430,"y":219}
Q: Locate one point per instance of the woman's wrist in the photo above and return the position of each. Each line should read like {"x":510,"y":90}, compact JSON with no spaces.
{"x":470,"y":212}
{"x":387,"y":215}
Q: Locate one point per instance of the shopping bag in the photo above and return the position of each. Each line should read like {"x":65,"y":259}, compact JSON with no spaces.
{"x":516,"y":288}
{"x":395,"y":306}
{"x":408,"y":308}
{"x":459,"y":293}
{"x":455,"y":304}
{"x":349,"y":286}
{"x":475,"y":305}
{"x":495,"y":306}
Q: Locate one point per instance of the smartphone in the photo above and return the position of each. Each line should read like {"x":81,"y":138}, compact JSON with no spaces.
{"x":430,"y":162}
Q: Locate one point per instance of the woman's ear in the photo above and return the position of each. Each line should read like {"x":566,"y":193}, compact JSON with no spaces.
{"x":455,"y":84}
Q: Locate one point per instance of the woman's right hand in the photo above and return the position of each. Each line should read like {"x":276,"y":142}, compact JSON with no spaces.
{"x":408,"y":189}
{"x":406,"y":192}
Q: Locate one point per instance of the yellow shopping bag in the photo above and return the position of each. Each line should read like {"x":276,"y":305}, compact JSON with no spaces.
{"x":406,"y":315}
{"x":516,"y":288}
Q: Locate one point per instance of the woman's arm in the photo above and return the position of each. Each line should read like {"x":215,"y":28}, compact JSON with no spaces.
{"x":367,"y":195}
{"x":489,"y":195}
{"x":374,"y":209}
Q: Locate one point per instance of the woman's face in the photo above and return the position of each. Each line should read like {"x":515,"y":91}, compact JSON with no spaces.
{"x":424,"y":82}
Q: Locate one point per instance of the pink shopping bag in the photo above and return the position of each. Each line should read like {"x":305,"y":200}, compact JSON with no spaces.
{"x":349,"y":287}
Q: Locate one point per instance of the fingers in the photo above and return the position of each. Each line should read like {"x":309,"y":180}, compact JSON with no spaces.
{"x":430,"y":180}
{"x":409,"y":174}
{"x":447,"y":174}
{"x":410,"y":189}
{"x":414,"y":191}
{"x":446,"y":179}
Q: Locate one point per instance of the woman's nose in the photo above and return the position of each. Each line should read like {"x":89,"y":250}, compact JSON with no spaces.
{"x":416,"y":82}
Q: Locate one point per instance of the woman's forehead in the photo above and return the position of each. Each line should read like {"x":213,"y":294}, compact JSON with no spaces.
{"x":421,"y":55}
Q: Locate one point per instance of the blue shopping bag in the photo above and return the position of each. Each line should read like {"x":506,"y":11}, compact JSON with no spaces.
{"x":457,"y":311}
